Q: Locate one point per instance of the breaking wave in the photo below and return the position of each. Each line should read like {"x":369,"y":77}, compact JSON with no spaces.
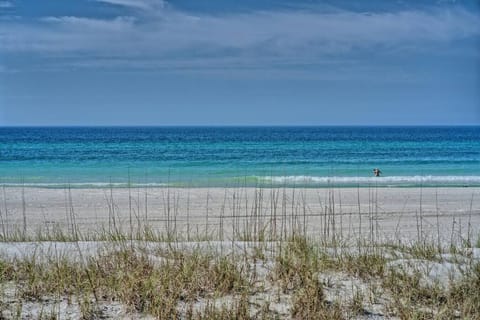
{"x":276,"y":181}
{"x":364,"y":181}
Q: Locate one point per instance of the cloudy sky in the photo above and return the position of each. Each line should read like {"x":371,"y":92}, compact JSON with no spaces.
{"x":230,"y":62}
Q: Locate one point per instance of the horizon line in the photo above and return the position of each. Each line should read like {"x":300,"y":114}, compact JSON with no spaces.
{"x":230,"y":125}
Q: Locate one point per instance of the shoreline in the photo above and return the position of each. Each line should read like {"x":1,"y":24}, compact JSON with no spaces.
{"x":260,"y":181}
{"x":123,"y":186}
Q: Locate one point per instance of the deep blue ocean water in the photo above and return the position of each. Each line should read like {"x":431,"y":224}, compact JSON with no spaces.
{"x":237,"y":156}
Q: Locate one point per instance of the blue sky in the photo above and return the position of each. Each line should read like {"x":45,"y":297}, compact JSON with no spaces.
{"x":230,"y":62}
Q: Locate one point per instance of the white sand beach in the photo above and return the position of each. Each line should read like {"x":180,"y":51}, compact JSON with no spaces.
{"x":383,"y":213}
{"x":357,"y":282}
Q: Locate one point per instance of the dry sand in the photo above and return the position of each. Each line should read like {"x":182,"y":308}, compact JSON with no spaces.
{"x":380,"y":213}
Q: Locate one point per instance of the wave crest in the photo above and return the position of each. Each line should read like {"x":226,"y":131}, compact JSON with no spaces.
{"x":392,"y":180}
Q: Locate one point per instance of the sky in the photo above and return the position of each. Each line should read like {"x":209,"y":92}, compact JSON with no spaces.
{"x":231,"y":62}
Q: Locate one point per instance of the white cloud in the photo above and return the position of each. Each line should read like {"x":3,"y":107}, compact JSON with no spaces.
{"x":138,"y":4}
{"x":6,"y":4}
{"x":84,"y":25}
{"x":178,"y":38}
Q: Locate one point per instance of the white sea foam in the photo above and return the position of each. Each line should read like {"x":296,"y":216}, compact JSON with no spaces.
{"x":392,"y":180}
{"x":293,"y":180}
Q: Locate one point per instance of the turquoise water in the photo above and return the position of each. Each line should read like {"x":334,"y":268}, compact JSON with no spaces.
{"x":232,"y":156}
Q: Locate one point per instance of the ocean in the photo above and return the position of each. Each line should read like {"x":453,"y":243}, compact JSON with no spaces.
{"x":82,"y":157}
